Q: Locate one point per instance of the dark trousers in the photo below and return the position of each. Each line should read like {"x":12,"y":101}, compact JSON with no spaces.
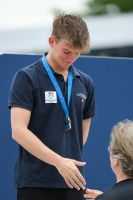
{"x":49,"y":194}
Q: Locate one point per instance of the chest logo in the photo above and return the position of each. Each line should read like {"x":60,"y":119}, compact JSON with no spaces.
{"x":83,"y":97}
{"x":50,"y":97}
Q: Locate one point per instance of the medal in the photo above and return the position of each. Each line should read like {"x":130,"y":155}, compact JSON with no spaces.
{"x":68,"y":124}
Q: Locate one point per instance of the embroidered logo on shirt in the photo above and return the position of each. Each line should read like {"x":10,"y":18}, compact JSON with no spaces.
{"x":50,"y":97}
{"x":83,"y":100}
{"x":83,"y":97}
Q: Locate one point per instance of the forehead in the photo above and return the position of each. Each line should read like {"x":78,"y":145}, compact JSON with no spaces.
{"x":65,"y":45}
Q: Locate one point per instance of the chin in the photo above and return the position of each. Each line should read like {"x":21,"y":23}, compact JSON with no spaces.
{"x":67,"y":65}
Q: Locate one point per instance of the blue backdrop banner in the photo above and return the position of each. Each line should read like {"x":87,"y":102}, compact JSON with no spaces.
{"x":113,"y":81}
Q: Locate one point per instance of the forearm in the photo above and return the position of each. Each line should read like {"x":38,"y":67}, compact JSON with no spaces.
{"x":86,"y":127}
{"x":34,"y":146}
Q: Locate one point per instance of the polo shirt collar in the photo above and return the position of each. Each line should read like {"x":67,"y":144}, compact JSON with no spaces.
{"x":74,"y":70}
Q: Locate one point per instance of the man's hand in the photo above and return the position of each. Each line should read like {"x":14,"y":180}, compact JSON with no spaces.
{"x":73,"y":178}
{"x":92,"y":193}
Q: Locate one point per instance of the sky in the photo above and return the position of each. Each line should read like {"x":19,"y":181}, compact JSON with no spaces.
{"x":25,"y":25}
{"x":15,"y":14}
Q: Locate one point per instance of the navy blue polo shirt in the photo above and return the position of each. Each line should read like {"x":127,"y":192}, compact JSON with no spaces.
{"x":33,"y":90}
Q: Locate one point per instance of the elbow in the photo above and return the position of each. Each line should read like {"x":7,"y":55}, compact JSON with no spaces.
{"x":85,"y":138}
{"x":16,"y":134}
{"x":84,"y":141}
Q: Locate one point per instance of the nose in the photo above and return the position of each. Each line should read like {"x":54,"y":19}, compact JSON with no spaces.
{"x":72,"y":57}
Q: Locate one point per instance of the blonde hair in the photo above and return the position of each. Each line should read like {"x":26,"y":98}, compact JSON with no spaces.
{"x":72,"y":29}
{"x":121,"y":145}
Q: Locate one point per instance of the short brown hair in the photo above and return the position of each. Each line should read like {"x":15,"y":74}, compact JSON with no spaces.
{"x":121,"y":145}
{"x":72,"y":29}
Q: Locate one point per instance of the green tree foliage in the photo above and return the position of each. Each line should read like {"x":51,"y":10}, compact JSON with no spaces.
{"x":97,"y":7}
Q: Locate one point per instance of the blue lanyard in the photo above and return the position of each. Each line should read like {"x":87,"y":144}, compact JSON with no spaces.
{"x":61,"y":98}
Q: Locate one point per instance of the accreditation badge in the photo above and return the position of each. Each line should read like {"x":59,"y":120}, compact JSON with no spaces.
{"x":50,"y":97}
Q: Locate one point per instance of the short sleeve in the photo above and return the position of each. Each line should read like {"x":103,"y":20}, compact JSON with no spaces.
{"x":90,"y":104}
{"x":21,"y":91}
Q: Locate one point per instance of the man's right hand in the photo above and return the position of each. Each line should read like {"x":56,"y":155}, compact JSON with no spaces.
{"x":73,"y":178}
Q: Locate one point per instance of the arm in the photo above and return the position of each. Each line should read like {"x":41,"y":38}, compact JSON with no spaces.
{"x":67,"y":167}
{"x":92,"y":193}
{"x":86,"y":127}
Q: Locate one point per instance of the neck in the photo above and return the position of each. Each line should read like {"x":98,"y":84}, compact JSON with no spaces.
{"x":121,"y":177}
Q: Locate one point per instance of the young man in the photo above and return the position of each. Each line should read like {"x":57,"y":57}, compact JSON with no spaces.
{"x":121,"y":158}
{"x":51,"y":108}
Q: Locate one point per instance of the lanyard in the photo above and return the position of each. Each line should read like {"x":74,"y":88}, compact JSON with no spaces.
{"x":60,"y":95}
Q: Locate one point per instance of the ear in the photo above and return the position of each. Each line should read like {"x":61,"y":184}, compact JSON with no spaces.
{"x":115,"y":161}
{"x":51,"y":41}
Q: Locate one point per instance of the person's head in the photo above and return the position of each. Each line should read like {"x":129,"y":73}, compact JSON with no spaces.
{"x":73,"y":30}
{"x":121,"y":146}
{"x":70,"y":37}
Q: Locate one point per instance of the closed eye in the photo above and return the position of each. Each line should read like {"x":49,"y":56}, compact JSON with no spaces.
{"x":66,"y":52}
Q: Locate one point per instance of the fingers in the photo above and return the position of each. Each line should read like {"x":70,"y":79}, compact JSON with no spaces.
{"x":88,"y":191}
{"x":72,"y":176}
{"x":76,"y":179}
{"x":79,"y":178}
{"x":73,"y":184}
{"x":77,"y":183}
{"x":68,"y":183}
{"x":89,"y":194}
{"x":78,"y":163}
{"x":92,"y":193}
